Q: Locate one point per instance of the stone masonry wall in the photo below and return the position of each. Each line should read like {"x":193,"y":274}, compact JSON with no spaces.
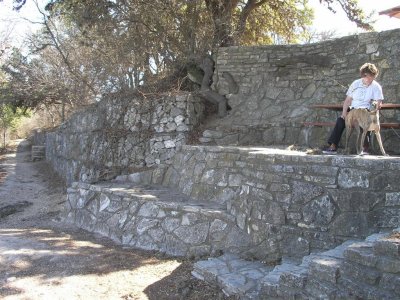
{"x":276,"y":203}
{"x":275,"y":85}
{"x":121,"y":135}
{"x":291,"y":203}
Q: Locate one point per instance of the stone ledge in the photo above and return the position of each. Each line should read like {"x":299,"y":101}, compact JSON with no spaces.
{"x":152,"y":217}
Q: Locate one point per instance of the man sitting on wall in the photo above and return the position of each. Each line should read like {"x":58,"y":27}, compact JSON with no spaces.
{"x":359,"y":95}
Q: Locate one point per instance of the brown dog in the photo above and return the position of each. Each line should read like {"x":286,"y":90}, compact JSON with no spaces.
{"x":368,"y":121}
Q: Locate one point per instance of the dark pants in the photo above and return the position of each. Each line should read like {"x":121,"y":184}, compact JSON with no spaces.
{"x":338,"y":130}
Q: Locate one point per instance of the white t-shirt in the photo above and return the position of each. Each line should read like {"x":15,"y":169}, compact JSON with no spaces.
{"x":362,"y":95}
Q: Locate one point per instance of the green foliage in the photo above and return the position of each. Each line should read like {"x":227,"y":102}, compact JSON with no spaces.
{"x":10,"y":118}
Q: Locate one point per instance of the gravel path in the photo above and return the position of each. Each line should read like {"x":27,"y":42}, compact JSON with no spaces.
{"x":43,"y":258}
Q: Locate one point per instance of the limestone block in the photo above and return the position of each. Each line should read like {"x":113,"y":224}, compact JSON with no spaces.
{"x":182,"y":128}
{"x":372,"y":48}
{"x":296,"y":278}
{"x":144,"y":224}
{"x":303,"y":192}
{"x":170,"y":127}
{"x":361,"y":253}
{"x":194,"y":234}
{"x":361,"y":273}
{"x":392,"y":199}
{"x":319,"y":211}
{"x":145,"y":242}
{"x":169,"y":144}
{"x":325,"y":268}
{"x":104,"y":202}
{"x":148,"y":209}
{"x":350,"y":178}
{"x":350,"y":224}
{"x":170,"y":224}
{"x":389,"y":265}
{"x":387,"y":247}
{"x":295,"y":246}
{"x":235,"y":180}
{"x":117,"y":220}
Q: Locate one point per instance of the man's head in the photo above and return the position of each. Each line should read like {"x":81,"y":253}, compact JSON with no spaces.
{"x":369,"y":69}
{"x":368,"y":73}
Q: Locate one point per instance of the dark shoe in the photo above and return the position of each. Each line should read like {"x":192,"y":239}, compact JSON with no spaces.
{"x":329,"y":151}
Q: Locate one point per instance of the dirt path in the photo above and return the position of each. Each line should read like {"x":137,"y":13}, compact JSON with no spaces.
{"x":42,"y":258}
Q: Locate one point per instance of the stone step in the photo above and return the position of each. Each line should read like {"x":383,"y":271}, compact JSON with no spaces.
{"x":360,"y":290}
{"x":270,"y":285}
{"x":234,"y":275}
{"x":290,"y":279}
{"x":153,"y":217}
{"x":325,"y":266}
{"x":166,"y":197}
{"x":388,"y":246}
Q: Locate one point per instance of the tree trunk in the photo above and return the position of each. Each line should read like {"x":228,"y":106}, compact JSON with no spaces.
{"x":221,"y":11}
{"x":247,"y":9}
{"x":205,"y":90}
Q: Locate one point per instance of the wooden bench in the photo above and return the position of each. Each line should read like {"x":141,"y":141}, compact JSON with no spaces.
{"x":339,"y":107}
{"x":332,"y":124}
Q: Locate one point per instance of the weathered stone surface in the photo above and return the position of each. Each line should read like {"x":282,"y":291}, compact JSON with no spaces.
{"x":319,"y":211}
{"x":326,"y":268}
{"x":194,"y":234}
{"x":123,"y":137}
{"x":275,"y":93}
{"x":155,"y":218}
{"x":350,"y":178}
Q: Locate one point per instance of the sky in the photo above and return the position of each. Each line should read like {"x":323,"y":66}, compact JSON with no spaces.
{"x":324,"y":19}
{"x":15,"y":25}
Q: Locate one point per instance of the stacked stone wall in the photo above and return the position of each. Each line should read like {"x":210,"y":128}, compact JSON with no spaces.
{"x":121,"y":135}
{"x":275,"y":86}
{"x":292,"y":204}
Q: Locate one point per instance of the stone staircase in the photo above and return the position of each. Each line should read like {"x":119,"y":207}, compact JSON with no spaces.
{"x":368,"y":269}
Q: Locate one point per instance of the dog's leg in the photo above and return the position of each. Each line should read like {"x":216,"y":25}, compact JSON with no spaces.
{"x":358,"y":139}
{"x":361,"y":143}
{"x":348,"y":133}
{"x":379,"y":139}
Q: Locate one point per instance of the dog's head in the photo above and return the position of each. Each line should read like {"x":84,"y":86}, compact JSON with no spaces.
{"x":374,"y":104}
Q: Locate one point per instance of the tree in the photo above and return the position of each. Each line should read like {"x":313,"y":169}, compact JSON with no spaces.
{"x":42,"y":81}
{"x":125,"y":45}
{"x":9,"y":119}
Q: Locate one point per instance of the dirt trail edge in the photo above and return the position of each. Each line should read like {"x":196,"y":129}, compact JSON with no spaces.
{"x":43,"y":258}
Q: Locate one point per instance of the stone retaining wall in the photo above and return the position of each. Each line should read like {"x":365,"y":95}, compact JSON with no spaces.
{"x":276,"y":202}
{"x":120,"y":135}
{"x":152,"y":217}
{"x":288,"y":202}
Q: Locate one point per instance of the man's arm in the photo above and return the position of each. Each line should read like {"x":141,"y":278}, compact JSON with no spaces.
{"x":378,"y":104}
{"x":346,"y":104}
